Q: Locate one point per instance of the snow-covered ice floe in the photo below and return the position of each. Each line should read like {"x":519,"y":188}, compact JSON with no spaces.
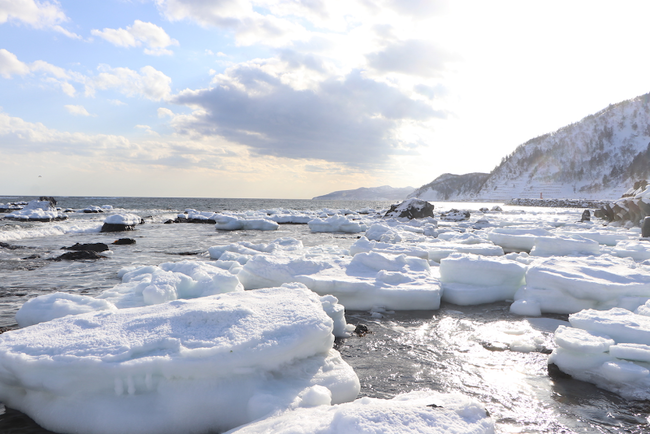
{"x":336,"y":223}
{"x":37,"y":210}
{"x":231,"y":223}
{"x":420,"y":412}
{"x":471,"y":279}
{"x":232,"y":256}
{"x":569,"y":284}
{"x":204,"y":365}
{"x":363,"y":282}
{"x":608,"y":348}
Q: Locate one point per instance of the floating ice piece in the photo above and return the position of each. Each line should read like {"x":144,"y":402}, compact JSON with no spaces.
{"x":336,"y":224}
{"x":568,"y":285}
{"x":420,"y":412}
{"x":564,"y":246}
{"x":56,"y":305}
{"x":368,"y":280}
{"x":637,"y":250}
{"x":439,"y":251}
{"x":470,"y":279}
{"x":229,"y":223}
{"x":518,"y":239}
{"x":608,"y":348}
{"x":37,"y":210}
{"x":364,"y":245}
{"x":285,"y":244}
{"x":205,"y":365}
{"x":151,"y":284}
{"x":607,"y":237}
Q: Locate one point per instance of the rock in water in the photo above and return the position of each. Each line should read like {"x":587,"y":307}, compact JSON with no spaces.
{"x":412,"y":209}
{"x":124,"y":241}
{"x":645,"y":231}
{"x":79,"y":255}
{"x":121,"y":222}
{"x":93,"y":247}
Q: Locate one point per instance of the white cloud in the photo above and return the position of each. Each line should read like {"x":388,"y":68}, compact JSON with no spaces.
{"x":10,"y":65}
{"x":77,"y":110}
{"x":154,"y":37}
{"x":116,"y":102}
{"x":164,"y":112}
{"x":250,"y":27}
{"x":39,"y":15}
{"x":148,"y":82}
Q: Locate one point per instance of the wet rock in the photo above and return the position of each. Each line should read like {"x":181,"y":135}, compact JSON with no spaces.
{"x":11,"y":246}
{"x":124,"y":241}
{"x":645,"y":230}
{"x":93,"y":247}
{"x":361,"y":330}
{"x":586,"y":216}
{"x":455,"y":215}
{"x":49,"y":199}
{"x":412,"y":209}
{"x":79,"y":255}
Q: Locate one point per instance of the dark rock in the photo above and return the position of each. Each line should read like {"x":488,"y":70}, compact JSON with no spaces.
{"x":117,"y":227}
{"x":170,"y":221}
{"x":455,"y":215}
{"x":124,"y":241}
{"x":10,"y":246}
{"x":411,"y":209}
{"x":79,"y":255}
{"x":555,"y":372}
{"x":645,"y":229}
{"x":32,"y":257}
{"x":484,"y":209}
{"x":361,"y":330}
{"x":93,"y":247}
{"x":586,"y":216}
{"x":49,"y":199}
{"x":496,"y":208}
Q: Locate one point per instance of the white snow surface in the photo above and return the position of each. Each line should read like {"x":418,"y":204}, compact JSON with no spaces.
{"x":232,"y":223}
{"x":37,"y":210}
{"x":336,"y":223}
{"x":123,"y":219}
{"x":409,"y":413}
{"x":209,"y":364}
{"x":472,"y":279}
{"x":570,"y":284}
{"x":146,"y":285}
{"x":56,"y":305}
{"x":608,"y":348}
{"x":363,"y":282}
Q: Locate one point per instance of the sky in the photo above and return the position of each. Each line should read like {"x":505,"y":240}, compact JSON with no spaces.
{"x":296,"y":98}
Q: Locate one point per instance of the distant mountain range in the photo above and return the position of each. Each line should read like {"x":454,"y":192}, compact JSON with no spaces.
{"x":599,"y":157}
{"x":384,"y":192}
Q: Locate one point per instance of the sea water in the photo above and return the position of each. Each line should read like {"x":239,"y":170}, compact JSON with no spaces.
{"x":453,"y":349}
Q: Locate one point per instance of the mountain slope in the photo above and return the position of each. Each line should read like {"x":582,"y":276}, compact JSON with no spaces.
{"x":597,"y":157}
{"x":384,"y":192}
{"x":451,"y":187}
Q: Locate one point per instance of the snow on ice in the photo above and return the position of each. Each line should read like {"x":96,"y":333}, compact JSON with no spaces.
{"x":409,"y":413}
{"x":200,"y":365}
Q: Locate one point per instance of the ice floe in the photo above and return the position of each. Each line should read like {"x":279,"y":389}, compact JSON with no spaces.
{"x":361,"y":282}
{"x":570,"y":284}
{"x":471,"y":279}
{"x":608,"y":348}
{"x":420,"y":412}
{"x":209,"y":364}
{"x":37,"y":210}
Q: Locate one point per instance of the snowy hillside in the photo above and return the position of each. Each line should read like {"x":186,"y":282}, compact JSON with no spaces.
{"x":599,"y":157}
{"x":384,"y":192}
{"x":451,"y":187}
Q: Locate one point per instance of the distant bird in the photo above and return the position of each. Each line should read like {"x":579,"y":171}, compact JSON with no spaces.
{"x":39,"y":176}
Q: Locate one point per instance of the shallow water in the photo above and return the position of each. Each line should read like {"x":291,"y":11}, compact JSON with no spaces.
{"x":467,"y":350}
